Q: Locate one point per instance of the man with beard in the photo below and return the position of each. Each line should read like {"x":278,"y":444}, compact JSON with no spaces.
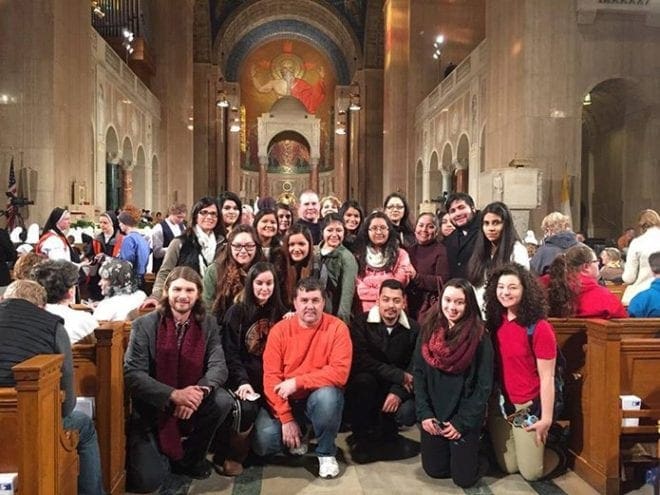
{"x":460,"y":243}
{"x":174,"y":370}
{"x":309,"y":211}
{"x":306,"y":364}
{"x":380,"y":390}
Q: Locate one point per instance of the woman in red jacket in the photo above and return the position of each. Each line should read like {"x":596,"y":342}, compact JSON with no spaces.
{"x":573,"y":289}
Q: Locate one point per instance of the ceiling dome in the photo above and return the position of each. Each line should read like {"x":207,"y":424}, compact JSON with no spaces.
{"x":289,"y":106}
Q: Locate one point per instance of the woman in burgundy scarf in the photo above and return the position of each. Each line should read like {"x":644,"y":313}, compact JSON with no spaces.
{"x":453,"y":378}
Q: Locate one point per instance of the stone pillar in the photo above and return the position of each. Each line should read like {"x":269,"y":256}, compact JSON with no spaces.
{"x":461,"y":180}
{"x":127,"y":183}
{"x":233,"y":161}
{"x":314,"y":174}
{"x":446,"y":181}
{"x":263,"y":176}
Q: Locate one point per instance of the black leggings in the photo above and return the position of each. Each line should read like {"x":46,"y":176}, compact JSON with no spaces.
{"x":442,"y":458}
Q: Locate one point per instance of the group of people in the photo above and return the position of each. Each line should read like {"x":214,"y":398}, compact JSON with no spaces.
{"x":269,"y":333}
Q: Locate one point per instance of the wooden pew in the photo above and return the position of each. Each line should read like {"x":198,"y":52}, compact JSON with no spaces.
{"x":34,"y":443}
{"x":623,"y":357}
{"x":98,"y":373}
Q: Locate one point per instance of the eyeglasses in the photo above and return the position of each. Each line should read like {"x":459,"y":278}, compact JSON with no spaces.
{"x":395,"y":207}
{"x":240,"y":247}
{"x":208,"y":213}
{"x":378,"y":228}
{"x":522,"y":418}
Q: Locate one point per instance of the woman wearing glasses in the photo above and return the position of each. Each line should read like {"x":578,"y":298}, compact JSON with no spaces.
{"x":379,"y":257}
{"x":453,"y":378}
{"x":225,"y":278}
{"x":522,"y":413}
{"x":396,"y":209}
{"x":573,"y":289}
{"x":195,"y":248}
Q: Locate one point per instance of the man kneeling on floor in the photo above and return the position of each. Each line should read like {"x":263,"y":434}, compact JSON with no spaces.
{"x":379,"y":394}
{"x":306,"y":364}
{"x":174,"y":370}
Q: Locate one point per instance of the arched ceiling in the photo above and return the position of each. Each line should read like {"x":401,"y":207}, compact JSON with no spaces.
{"x":238,"y":27}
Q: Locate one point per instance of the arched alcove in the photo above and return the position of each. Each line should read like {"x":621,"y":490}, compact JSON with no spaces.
{"x":463,"y":166}
{"x":140,"y":179}
{"x":289,"y":153}
{"x":113,"y":173}
{"x":447,"y":167}
{"x":435,"y":177}
{"x":619,"y":172}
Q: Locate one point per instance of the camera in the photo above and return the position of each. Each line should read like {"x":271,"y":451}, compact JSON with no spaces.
{"x":18,"y":201}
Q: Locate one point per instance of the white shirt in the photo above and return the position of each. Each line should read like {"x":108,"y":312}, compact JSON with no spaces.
{"x":55,"y":248}
{"x":78,"y":324}
{"x":637,"y":271}
{"x":116,"y":308}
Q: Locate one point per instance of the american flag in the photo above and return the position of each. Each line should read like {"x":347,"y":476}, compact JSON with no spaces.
{"x":11,"y":192}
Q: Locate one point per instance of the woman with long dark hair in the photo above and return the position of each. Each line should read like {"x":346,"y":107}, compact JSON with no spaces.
{"x":246,"y":325}
{"x":265,"y":224}
{"x":453,"y":378}
{"x":297,"y":261}
{"x":526,"y":351}
{"x":338,"y":268}
{"x":230,"y":211}
{"x":429,"y":257}
{"x":352,"y":214}
{"x":284,"y":218}
{"x":397,"y":210}
{"x":225,"y":277}
{"x":196,"y":248}
{"x":573,"y":289}
{"x":497,"y":243}
{"x":379,"y":257}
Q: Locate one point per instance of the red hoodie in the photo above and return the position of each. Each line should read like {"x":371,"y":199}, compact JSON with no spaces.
{"x":594,"y":300}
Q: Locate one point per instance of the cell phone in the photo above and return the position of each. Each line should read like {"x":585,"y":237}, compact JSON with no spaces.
{"x":436,"y":423}
{"x":253,"y":397}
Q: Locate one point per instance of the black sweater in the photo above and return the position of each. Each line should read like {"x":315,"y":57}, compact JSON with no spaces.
{"x":460,"y":399}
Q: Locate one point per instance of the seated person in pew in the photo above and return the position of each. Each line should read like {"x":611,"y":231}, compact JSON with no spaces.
{"x":572,"y":288}
{"x":306,"y":365}
{"x":59,"y":278}
{"x":27,"y":330}
{"x":453,"y":370}
{"x":521,"y":413}
{"x":379,"y":395}
{"x":119,"y":287}
{"x":646,"y":304}
{"x":174,"y":370}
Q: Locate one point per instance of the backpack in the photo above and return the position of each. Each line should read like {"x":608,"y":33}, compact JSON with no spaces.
{"x":560,"y":368}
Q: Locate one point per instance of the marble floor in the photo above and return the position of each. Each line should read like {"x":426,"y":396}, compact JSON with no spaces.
{"x":289,"y":475}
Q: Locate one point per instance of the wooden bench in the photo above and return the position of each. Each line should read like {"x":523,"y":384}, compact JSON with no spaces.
{"x":622,"y":357}
{"x":34,"y":443}
{"x":98,"y":372}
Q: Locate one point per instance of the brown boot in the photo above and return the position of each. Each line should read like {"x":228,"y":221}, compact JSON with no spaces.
{"x":239,"y":447}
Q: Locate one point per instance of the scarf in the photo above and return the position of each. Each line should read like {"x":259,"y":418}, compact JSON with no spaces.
{"x":375,"y":259}
{"x":207,"y":243}
{"x":450,"y":359}
{"x":180,"y":351}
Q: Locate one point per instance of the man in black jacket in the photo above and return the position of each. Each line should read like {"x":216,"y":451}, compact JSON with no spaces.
{"x":380,"y":388}
{"x":460,"y":243}
{"x":26,"y":329}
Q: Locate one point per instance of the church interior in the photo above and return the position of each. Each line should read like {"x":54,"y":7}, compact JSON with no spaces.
{"x":544,"y":105}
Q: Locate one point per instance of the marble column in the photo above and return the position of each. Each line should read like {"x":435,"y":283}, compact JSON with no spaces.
{"x":127,"y":183}
{"x":263,"y":176}
{"x":446,"y":182}
{"x":314,"y":174}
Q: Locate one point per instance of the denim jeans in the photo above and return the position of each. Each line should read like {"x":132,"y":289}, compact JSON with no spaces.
{"x":323,"y":408}
{"x":90,"y":479}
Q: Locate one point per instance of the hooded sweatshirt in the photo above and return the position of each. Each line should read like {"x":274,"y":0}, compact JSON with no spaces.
{"x":551,"y":248}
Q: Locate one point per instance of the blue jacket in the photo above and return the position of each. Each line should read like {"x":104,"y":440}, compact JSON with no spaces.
{"x":646,"y":304}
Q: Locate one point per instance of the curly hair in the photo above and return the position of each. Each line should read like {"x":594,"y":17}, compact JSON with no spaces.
{"x":564,"y":283}
{"x":57,"y":277}
{"x":390,"y":249}
{"x":532,"y":307}
{"x":24,"y":264}
{"x":648,"y":219}
{"x":230,"y":275}
{"x":470,"y":321}
{"x":482,"y":260}
{"x":188,"y":274}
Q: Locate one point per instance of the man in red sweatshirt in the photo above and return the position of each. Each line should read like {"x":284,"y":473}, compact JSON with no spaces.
{"x":306,"y":365}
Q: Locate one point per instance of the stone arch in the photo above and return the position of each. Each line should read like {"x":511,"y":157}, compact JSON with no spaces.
{"x":140,"y":179}
{"x":435,"y":177}
{"x":618,"y":175}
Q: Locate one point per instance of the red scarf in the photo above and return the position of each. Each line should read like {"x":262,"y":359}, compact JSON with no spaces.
{"x":452,"y":359}
{"x":178,"y":368}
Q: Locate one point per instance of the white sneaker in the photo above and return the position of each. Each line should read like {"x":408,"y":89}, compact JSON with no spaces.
{"x":328,"y":467}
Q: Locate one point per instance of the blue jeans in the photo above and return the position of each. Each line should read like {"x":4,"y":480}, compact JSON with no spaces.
{"x":323,"y":408}
{"x":90,"y":479}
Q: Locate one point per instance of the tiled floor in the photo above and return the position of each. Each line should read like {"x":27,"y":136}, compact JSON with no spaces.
{"x":298,"y":476}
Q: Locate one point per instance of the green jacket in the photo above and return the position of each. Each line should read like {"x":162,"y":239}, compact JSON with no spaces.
{"x":338,"y":273}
